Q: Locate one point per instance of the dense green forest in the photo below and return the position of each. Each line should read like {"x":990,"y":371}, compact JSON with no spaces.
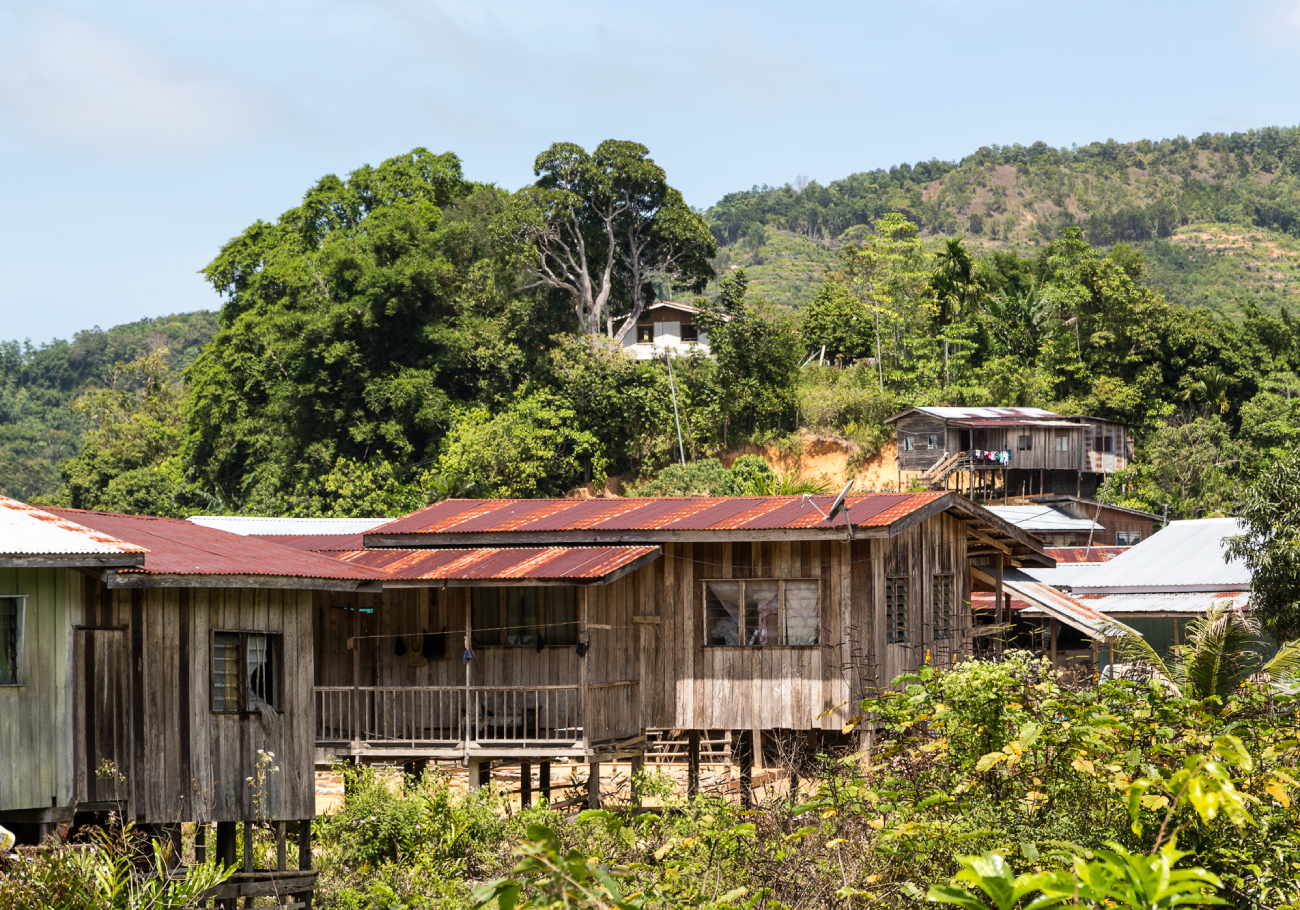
{"x":405,"y":334}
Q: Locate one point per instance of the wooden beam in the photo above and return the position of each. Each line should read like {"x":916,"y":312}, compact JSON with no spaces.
{"x":142,"y":580}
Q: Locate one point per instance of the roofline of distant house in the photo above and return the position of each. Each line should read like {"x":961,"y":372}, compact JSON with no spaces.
{"x":71,"y":561}
{"x":1065,"y":497}
{"x":295,"y":582}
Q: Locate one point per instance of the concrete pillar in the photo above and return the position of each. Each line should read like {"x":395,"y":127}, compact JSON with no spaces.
{"x":474,"y":773}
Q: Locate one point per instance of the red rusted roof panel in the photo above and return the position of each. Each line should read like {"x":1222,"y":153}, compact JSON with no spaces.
{"x":1083,"y":554}
{"x":697,"y":513}
{"x":316,"y":543}
{"x":178,"y":547}
{"x":503,"y":563}
{"x":27,"y":530}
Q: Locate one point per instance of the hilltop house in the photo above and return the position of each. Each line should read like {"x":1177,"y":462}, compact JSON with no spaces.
{"x":147,"y":667}
{"x":667,"y":328}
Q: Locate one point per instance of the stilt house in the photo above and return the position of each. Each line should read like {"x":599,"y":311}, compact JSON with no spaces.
{"x":152,"y":668}
{"x":533,"y":629}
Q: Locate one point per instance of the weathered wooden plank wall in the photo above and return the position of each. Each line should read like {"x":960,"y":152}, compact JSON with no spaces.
{"x":177,"y":760}
{"x":35,"y":720}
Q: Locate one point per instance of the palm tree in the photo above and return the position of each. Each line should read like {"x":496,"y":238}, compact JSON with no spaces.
{"x":788,"y":483}
{"x":955,"y":288}
{"x":1224,"y":649}
{"x":1212,"y":387}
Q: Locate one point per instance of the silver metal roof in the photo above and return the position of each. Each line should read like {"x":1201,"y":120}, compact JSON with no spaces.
{"x":1185,"y":556}
{"x":1192,"y":603}
{"x":988,"y":413}
{"x":1043,"y":518}
{"x":32,"y":536}
{"x":238,"y":524}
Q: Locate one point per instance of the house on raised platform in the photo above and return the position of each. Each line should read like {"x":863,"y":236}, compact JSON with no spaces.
{"x":667,"y":328}
{"x":148,"y":667}
{"x":522,"y":631}
{"x":1009,"y":451}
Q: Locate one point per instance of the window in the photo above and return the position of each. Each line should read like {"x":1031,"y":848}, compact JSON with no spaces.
{"x":1107,"y":444}
{"x":1062,"y":443}
{"x":690,"y":332}
{"x":525,"y":616}
{"x":757,"y":612}
{"x":645,"y":334}
{"x":12,"y":608}
{"x":1065,"y":540}
{"x":942,"y":598}
{"x":908,"y":443}
{"x":932,"y":441}
{"x":1026,"y":443}
{"x":245,"y":671}
{"x":896,"y":610}
{"x":1127,"y":538}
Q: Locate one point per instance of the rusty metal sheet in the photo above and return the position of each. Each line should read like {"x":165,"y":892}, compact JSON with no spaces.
{"x":1082,"y":555}
{"x":316,"y":543}
{"x":499,"y":563}
{"x":176,"y":547}
{"x":28,"y":531}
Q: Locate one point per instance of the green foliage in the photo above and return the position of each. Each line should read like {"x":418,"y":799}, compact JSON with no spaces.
{"x":1187,"y":467}
{"x":838,"y":321}
{"x":1270,"y":546}
{"x":532,"y":448}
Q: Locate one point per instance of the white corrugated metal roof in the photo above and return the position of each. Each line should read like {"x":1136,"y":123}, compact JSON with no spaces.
{"x":238,"y":524}
{"x":989,"y":413}
{"x":28,"y":532}
{"x":1187,"y":602}
{"x":1185,"y":556}
{"x":1043,"y":518}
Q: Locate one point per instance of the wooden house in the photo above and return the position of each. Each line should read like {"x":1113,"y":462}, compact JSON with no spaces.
{"x":1119,"y":526}
{"x":162,"y":671}
{"x":523,"y":630}
{"x":1009,"y":451}
{"x":667,"y":328}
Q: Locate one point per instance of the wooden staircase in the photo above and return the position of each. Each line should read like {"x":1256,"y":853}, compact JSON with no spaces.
{"x":939,"y":473}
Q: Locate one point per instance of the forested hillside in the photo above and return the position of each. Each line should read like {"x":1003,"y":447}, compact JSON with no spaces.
{"x":1217,"y":217}
{"x":405,"y":334}
{"x":41,"y":425}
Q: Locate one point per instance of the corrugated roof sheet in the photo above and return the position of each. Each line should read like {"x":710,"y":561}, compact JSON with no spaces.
{"x":1070,"y":610}
{"x":1081,"y":555}
{"x":990,"y":413}
{"x":1187,"y":602}
{"x":264,"y":527}
{"x":981,"y":423}
{"x":315,"y":543}
{"x":1186,"y":555}
{"x":177,"y":547}
{"x":700,"y":513}
{"x":28,"y":531}
{"x":1043,"y":518}
{"x":577,"y":564}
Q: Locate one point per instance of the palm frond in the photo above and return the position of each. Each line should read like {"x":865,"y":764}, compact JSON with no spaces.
{"x":1221,"y":654}
{"x":1134,"y":649}
{"x":1285,"y":665}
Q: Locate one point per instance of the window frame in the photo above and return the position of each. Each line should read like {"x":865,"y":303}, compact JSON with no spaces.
{"x":782,"y":614}
{"x":1062,"y":442}
{"x":1025,"y":443}
{"x":909,"y":443}
{"x":691,"y":327}
{"x":943,"y":623}
{"x":648,"y":330}
{"x":543,"y":626}
{"x":19,"y":635}
{"x":275,"y":653}
{"x":894,"y":623}
{"x":931,"y":441}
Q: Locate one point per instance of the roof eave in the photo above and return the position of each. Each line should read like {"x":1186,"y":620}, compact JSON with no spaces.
{"x":452,"y":539}
{"x":72,"y":561}
{"x":295,"y":582}
{"x":1159,"y":589}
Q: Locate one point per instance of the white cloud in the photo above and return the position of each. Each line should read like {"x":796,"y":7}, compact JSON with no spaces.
{"x":67,"y":82}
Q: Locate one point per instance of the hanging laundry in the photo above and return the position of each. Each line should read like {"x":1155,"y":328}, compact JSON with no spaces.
{"x":415,"y":656}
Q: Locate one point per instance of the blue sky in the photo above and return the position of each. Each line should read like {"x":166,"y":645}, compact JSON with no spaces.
{"x":137,"y":138}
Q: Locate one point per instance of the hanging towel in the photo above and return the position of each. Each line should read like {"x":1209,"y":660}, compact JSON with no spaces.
{"x":416,"y":657}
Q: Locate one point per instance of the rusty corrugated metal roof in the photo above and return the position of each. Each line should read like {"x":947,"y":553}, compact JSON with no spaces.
{"x":315,"y":543}
{"x":697,"y":513}
{"x":27,"y":531}
{"x":1070,"y":611}
{"x":177,"y":547}
{"x":577,"y":565}
{"x":1082,"y":555}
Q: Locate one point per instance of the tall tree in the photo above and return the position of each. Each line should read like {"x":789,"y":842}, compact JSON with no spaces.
{"x":600,"y":227}
{"x":956,"y":288}
{"x":885,"y":270}
{"x":1270,"y":546}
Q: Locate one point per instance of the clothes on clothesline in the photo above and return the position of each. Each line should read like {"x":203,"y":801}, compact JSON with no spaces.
{"x":1002,"y":457}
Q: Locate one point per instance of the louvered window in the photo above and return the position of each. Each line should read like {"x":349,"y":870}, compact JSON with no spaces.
{"x":245,"y":671}
{"x":896,"y":610}
{"x":11,"y":638}
{"x":943,"y":604}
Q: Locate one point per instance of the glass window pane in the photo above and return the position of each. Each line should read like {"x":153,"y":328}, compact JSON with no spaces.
{"x":762,"y":613}
{"x":260,"y":688}
{"x":8,"y":641}
{"x":225,"y":672}
{"x":562,"y":616}
{"x":802,"y":616}
{"x":722,"y":612}
{"x":486,"y":616}
{"x":522,"y":616}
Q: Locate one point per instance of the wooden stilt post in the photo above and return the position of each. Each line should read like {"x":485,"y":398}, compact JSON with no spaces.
{"x":637,"y":769}
{"x":200,"y":843}
{"x":692,"y":763}
{"x":544,"y":781}
{"x":304,"y":858}
{"x":593,"y":785}
{"x":997,"y":590}
{"x":1053,"y":621}
{"x":745,"y":746}
{"x":525,"y":784}
{"x":248,"y":846}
